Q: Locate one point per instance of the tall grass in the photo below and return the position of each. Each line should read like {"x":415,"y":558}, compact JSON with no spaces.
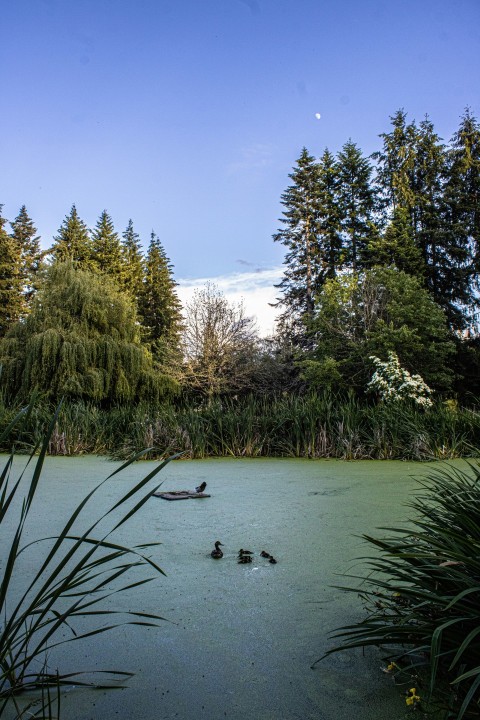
{"x":287,"y":426}
{"x":78,"y":570}
{"x":422,"y":592}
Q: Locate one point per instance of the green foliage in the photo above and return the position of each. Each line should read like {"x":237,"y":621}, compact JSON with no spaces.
{"x":73,"y":242}
{"x":11,"y":300}
{"x":78,"y":570}
{"x":322,"y":425}
{"x":25,"y":237}
{"x":133,"y":263}
{"x":106,"y":249}
{"x":423,"y":590}
{"x":81,"y":340}
{"x":159,"y":306}
{"x":379,"y":311}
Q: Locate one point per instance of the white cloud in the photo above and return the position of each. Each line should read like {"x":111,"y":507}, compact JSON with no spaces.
{"x":254,"y":288}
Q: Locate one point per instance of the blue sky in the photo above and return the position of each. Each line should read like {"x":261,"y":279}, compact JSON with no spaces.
{"x":188,"y":115}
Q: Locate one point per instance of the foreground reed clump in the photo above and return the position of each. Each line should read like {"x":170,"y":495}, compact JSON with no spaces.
{"x":423,"y":596}
{"x":76,"y":572}
{"x":311,"y":426}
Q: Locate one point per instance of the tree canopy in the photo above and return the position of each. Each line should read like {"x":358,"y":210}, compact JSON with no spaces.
{"x":81,"y":340}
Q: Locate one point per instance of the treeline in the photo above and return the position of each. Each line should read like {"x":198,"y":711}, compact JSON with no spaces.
{"x":382,"y":260}
{"x":383,"y":255}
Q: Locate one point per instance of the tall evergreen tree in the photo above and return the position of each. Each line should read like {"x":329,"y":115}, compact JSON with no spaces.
{"x":159,"y":306}
{"x":73,"y":242}
{"x":301,"y":219}
{"x":329,"y":220}
{"x":24,"y":234}
{"x":133,"y":262}
{"x":106,"y":249}
{"x":396,"y":246}
{"x":396,"y":164}
{"x":356,"y":204}
{"x":462,"y":193}
{"x":11,"y":298}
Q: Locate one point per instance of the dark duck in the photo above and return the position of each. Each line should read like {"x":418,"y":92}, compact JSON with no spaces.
{"x":217,"y":553}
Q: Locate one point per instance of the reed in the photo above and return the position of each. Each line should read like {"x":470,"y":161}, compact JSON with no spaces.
{"x":77,"y":571}
{"x":422,"y":594}
{"x":309,"y":426}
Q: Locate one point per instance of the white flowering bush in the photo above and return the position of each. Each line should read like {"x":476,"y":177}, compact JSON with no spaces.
{"x":393,"y":383}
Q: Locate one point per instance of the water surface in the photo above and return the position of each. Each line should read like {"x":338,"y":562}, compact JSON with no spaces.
{"x":240,"y":638}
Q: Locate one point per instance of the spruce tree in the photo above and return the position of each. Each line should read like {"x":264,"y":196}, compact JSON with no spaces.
{"x":24,"y":234}
{"x":396,"y":164}
{"x":106,"y":249}
{"x":396,"y":246}
{"x":11,"y":297}
{"x":73,"y":242}
{"x":329,"y":220}
{"x":301,"y":218}
{"x":462,"y":195}
{"x":159,"y":306}
{"x":356,"y":204}
{"x":133,"y":262}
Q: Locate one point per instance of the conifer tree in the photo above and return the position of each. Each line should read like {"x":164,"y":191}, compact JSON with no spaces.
{"x":159,"y":306}
{"x":133,"y":262}
{"x":24,"y":235}
{"x":396,"y":163}
{"x":11,"y":298}
{"x":301,"y":218}
{"x":356,"y":204}
{"x":106,"y":249}
{"x":462,"y":193}
{"x":73,"y":242}
{"x":329,"y":221}
{"x":396,"y":246}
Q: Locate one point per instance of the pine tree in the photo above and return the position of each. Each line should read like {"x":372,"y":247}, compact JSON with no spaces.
{"x":73,"y":242}
{"x":11,"y":298}
{"x":356,"y":204}
{"x":462,"y":195}
{"x":133,"y":262}
{"x":24,"y":235}
{"x":329,"y":221}
{"x":301,"y":218}
{"x":159,"y":306}
{"x":396,"y":164}
{"x":396,"y":246}
{"x":106,"y":249}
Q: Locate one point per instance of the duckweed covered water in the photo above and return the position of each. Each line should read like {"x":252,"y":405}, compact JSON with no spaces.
{"x":240,"y":639}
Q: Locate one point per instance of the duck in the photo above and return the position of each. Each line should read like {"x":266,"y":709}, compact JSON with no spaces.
{"x":242,"y":559}
{"x":217,"y":553}
{"x":244,"y":552}
{"x":272,"y":560}
{"x":265,"y":554}
{"x":201,"y":488}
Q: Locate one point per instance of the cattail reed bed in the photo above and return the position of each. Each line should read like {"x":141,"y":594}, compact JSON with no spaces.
{"x":314,"y":426}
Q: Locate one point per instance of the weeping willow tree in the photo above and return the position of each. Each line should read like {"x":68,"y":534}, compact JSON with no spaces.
{"x":80,"y":341}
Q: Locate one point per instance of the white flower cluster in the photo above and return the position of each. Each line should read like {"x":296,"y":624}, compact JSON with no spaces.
{"x":394,"y":383}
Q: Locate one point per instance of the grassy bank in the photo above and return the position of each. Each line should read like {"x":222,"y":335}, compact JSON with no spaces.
{"x":312,"y":427}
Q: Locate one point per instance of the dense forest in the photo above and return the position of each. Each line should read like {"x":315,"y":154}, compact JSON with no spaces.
{"x":378,"y":319}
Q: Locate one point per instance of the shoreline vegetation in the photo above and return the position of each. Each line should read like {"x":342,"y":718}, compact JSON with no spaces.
{"x":313,"y":426}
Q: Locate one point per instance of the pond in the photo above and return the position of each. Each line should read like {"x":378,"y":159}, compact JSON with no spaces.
{"x":238,"y":640}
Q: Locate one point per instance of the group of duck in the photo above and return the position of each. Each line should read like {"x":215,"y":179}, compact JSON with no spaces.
{"x":244,"y":556}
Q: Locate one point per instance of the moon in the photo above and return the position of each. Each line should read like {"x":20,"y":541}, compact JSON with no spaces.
{"x":318,"y":116}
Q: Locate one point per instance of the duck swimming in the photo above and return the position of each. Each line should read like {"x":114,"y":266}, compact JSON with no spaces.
{"x":242,"y":559}
{"x":217,"y":553}
{"x":244,"y":552}
{"x":201,"y":487}
{"x":265,"y":554}
{"x":272,"y":560}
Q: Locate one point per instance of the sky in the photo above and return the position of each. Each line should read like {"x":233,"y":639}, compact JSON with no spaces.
{"x":188,"y":115}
